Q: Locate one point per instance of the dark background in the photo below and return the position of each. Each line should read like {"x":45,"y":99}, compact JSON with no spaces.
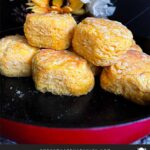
{"x":135,"y":14}
{"x":12,"y":13}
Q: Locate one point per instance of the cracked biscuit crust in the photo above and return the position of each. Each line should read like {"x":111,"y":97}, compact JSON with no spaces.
{"x":51,"y":30}
{"x":129,"y":77}
{"x":16,"y":56}
{"x":101,"y":41}
{"x":62,"y":73}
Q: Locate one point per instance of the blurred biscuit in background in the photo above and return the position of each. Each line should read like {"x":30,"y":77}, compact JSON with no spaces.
{"x":16,"y":56}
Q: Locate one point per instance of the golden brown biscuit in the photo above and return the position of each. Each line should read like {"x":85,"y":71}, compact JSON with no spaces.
{"x":51,"y":30}
{"x":101,"y":41}
{"x":129,"y":77}
{"x":62,"y":73}
{"x":16,"y":56}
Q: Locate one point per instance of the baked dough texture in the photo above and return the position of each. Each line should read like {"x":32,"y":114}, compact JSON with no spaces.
{"x":62,"y":73}
{"x":129,"y":77}
{"x":135,"y":47}
{"x":51,"y":30}
{"x":101,"y":41}
{"x":16,"y":56}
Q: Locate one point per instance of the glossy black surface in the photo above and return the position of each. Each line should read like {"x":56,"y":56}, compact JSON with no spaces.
{"x":21,"y":102}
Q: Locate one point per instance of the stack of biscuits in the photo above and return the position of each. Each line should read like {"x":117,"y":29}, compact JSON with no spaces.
{"x":64,"y":57}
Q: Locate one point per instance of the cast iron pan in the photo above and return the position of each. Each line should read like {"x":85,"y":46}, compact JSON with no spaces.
{"x":29,"y":116}
{"x":26,"y":111}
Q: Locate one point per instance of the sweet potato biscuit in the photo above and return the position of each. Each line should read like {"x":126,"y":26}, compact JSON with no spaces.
{"x":62,"y":73}
{"x":129,"y":77}
{"x":16,"y":56}
{"x":51,"y":30}
{"x":101,"y":41}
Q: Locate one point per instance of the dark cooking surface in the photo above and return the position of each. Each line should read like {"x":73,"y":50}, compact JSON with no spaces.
{"x":21,"y":102}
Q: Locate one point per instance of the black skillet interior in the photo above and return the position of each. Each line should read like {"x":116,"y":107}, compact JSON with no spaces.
{"x":21,"y":102}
